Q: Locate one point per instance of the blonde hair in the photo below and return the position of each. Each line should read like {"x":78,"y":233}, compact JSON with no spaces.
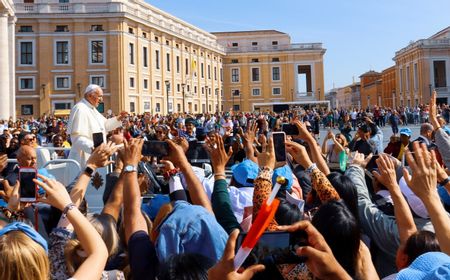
{"x":22,"y":258}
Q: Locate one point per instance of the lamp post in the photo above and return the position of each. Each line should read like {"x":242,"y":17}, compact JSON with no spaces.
{"x":206,"y":89}
{"x":79,"y":89}
{"x":167,"y":82}
{"x":184,"y":101}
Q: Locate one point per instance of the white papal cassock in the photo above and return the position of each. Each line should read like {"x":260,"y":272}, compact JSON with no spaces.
{"x":85,"y":120}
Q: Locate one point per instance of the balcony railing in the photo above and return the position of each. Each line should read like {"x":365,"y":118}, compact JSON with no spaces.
{"x":303,"y":96}
{"x":426,"y":43}
{"x":308,"y":46}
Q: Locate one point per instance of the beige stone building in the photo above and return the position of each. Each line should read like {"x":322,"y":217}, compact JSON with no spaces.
{"x":263,"y":68}
{"x":145,"y":60}
{"x":422,"y":66}
{"x":7,"y":85}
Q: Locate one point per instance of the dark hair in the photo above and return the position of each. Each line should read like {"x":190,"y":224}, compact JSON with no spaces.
{"x":419,"y":243}
{"x":341,"y":231}
{"x":287,"y":214}
{"x":346,"y":190}
{"x":186,"y":266}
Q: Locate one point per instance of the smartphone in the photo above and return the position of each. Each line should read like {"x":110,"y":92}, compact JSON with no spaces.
{"x":372,"y":164}
{"x":275,"y":247}
{"x":97,"y":138}
{"x":290,"y":129}
{"x":155,"y":149}
{"x":27,"y":185}
{"x":147,"y":197}
{"x":279,"y":140}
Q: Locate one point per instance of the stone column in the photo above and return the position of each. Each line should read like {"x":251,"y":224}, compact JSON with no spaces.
{"x":4,"y":69}
{"x":12,"y":66}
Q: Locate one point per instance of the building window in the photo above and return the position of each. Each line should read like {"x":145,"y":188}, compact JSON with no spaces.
{"x":145,"y":36}
{"x":156,"y":39}
{"x":26,"y":83}
{"x":145,"y":84}
{"x":221,"y":74}
{"x":203,"y":90}
{"x":178,"y":107}
{"x":131,"y":82}
{"x":132,"y":107}
{"x":97,"y":52}
{"x":130,"y":30}
{"x":235,"y":75}
{"x":440,"y":74}
{"x":158,"y":107}
{"x":26,"y":53}
{"x":147,"y":106}
{"x":195,"y":107}
{"x":255,"y":74}
{"x":407,"y":78}
{"x":235,"y":92}
{"x":236,"y":107}
{"x":62,"y":82}
{"x":62,"y":105}
{"x":274,"y":43}
{"x":97,"y":27}
{"x":234,"y":44}
{"x":98,"y":80}
{"x":416,"y":77}
{"x":26,"y":109}
{"x":131,"y":53}
{"x":63,"y":1}
{"x":256,"y":92}
{"x":276,"y":91}
{"x":195,"y":89}
{"x":275,"y":73}
{"x":158,"y":85}
{"x":178,"y":64}
{"x":62,"y":28}
{"x":275,"y":59}
{"x":62,"y":52}
{"x":144,"y":56}
{"x":157,"y":59}
{"x":401,"y":80}
{"x":167,"y":42}
{"x":168,"y":61}
{"x":254,"y":43}
{"x":234,"y":61}
{"x":186,"y":66}
{"x":26,"y":28}
{"x":178,"y":87}
{"x":202,"y":71}
{"x":215,"y":73}
{"x":255,"y":60}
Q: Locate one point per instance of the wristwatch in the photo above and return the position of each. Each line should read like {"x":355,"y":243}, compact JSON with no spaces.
{"x":130,"y":168}
{"x":89,"y":171}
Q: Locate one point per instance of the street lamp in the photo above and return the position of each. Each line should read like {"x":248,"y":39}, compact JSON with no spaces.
{"x":167,"y":82}
{"x":184,"y":101}
{"x":206,"y":89}
{"x":79,"y":89}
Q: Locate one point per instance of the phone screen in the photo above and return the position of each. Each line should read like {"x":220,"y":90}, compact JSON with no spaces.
{"x":274,"y":248}
{"x":27,"y":186}
{"x":279,"y":146}
{"x":290,"y":129}
{"x":97,"y":138}
{"x":155,"y":149}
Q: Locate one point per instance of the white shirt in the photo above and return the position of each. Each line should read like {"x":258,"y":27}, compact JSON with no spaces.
{"x":85,"y":120}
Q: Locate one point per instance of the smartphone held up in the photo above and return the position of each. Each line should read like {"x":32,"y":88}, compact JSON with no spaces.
{"x":28,"y":188}
{"x":279,"y":145}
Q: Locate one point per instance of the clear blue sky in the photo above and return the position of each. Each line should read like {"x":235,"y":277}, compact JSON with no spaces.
{"x":359,"y":35}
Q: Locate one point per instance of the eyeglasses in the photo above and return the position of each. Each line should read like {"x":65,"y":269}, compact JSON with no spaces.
{"x":159,"y":132}
{"x":29,"y":139}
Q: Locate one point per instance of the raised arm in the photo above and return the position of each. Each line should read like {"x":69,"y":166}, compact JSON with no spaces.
{"x":249,"y":139}
{"x":313,"y":147}
{"x":423,"y":165}
{"x":92,"y":243}
{"x":403,"y":216}
{"x":195,"y":187}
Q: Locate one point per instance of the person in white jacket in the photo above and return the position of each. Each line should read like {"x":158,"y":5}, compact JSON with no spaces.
{"x":85,"y":120}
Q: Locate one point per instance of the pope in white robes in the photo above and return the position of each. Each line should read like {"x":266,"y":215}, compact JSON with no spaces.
{"x":85,"y":120}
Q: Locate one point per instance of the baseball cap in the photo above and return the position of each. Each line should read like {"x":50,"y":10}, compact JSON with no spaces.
{"x":245,"y":173}
{"x":406,"y":131}
{"x":413,"y":200}
{"x":428,"y":266}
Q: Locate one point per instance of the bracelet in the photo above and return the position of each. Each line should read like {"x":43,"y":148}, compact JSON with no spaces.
{"x":310,"y":169}
{"x":444,"y":182}
{"x":220,"y":174}
{"x":171,"y":173}
{"x":66,"y":209}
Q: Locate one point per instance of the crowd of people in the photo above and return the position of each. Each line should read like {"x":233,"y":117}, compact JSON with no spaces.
{"x":362,"y":210}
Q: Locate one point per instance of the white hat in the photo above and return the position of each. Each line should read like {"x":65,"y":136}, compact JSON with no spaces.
{"x":413,"y":200}
{"x":91,"y":88}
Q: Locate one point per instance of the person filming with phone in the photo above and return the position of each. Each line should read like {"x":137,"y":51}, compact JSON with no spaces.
{"x":85,"y":120}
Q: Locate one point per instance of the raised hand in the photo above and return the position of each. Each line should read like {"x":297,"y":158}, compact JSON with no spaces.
{"x":3,"y":162}
{"x":303,"y":132}
{"x":55,"y":193}
{"x":176,"y":154}
{"x":250,"y":135}
{"x":423,"y":165}
{"x":131,"y":154}
{"x":386,"y":174}
{"x":266,"y":158}
{"x":299,"y":153}
{"x":216,"y":149}
{"x":100,"y":157}
{"x":358,"y":159}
